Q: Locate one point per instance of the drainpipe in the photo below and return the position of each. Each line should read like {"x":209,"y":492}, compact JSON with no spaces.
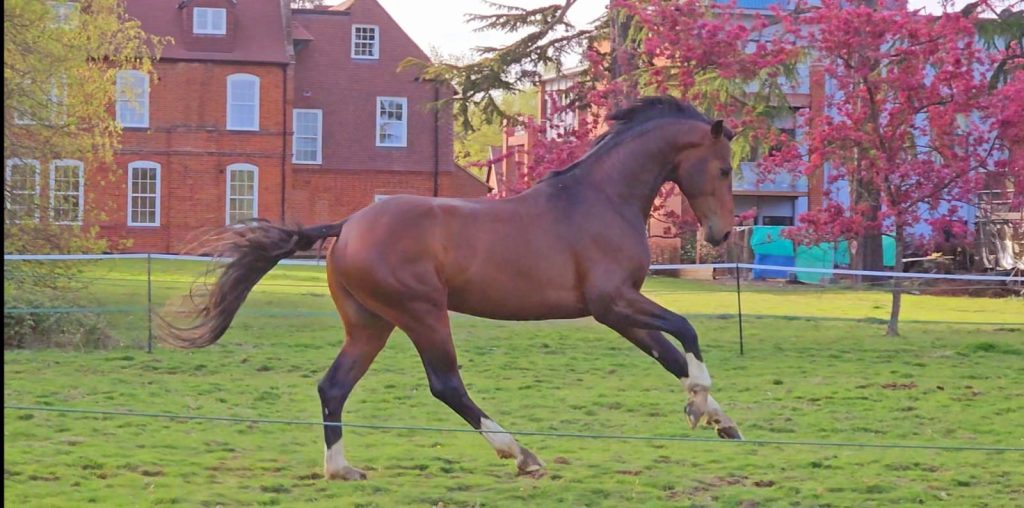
{"x":437,"y":137}
{"x":284,"y":140}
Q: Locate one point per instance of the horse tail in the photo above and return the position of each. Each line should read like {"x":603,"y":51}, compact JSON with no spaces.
{"x":253,"y":249}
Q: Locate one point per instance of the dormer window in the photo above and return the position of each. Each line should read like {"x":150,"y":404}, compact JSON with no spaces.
{"x":365,"y":42}
{"x":209,"y":21}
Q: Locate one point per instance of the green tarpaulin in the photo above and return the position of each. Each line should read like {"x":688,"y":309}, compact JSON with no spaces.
{"x":888,"y":252}
{"x":815,"y":256}
{"x":768,"y":241}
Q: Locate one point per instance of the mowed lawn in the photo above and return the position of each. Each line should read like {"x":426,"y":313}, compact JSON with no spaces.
{"x":829,"y":375}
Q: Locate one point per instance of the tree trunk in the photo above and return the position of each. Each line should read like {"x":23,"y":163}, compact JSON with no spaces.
{"x":869,"y":245}
{"x":897,"y":293}
{"x":623,"y":55}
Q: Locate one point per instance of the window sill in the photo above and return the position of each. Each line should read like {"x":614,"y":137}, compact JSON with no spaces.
{"x":239,"y":129}
{"x":301,"y":163}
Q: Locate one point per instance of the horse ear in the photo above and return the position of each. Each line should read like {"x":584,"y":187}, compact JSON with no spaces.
{"x":717,"y":129}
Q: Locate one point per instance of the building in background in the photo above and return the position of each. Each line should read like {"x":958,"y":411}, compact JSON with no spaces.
{"x":259,"y":110}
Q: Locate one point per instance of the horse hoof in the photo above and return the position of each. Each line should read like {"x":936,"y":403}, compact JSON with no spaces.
{"x":729,"y":432}
{"x":347,"y":473}
{"x":529,"y":464}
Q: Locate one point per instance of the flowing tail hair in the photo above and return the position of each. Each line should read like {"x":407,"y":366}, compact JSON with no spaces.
{"x":253,"y":249}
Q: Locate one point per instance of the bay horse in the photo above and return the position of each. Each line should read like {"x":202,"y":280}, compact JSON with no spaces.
{"x":574,"y":245}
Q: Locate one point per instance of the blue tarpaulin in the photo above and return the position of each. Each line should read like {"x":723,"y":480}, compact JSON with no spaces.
{"x":771,"y":259}
{"x":771,"y":248}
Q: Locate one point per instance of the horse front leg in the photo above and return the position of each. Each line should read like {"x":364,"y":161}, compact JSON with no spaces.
{"x":641,"y":321}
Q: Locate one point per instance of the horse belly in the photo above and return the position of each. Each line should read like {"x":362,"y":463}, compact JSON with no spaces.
{"x":518,"y":305}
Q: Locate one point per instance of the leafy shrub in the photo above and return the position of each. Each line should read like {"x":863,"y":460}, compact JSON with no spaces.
{"x":44,"y":328}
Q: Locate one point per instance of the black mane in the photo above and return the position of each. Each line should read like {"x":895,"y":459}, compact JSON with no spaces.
{"x":641,"y":112}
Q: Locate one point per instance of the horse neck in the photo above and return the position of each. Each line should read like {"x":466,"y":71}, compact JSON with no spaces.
{"x":632,"y":173}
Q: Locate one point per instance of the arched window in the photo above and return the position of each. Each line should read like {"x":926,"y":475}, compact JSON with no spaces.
{"x":143,"y":193}
{"x":242,"y":193}
{"x":67,"y":191}
{"x":243,"y":102}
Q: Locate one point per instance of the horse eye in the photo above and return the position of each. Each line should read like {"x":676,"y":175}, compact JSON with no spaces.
{"x":726,"y":171}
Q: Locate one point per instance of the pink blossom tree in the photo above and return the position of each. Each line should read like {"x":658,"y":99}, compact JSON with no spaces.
{"x":908,"y":122}
{"x":700,"y":52}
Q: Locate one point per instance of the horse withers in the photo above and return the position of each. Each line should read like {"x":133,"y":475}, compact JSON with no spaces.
{"x":574,"y":245}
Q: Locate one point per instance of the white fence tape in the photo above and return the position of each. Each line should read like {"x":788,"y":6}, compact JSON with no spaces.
{"x":320,"y":262}
{"x":795,"y":269}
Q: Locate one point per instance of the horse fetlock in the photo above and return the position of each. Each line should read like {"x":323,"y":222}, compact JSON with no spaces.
{"x":505,"y":454}
{"x":695,"y":412}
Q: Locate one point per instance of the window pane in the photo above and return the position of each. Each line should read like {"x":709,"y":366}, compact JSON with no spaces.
{"x":243,"y":115}
{"x":241,"y":198}
{"x":243,"y":91}
{"x":218,"y":19}
{"x":144,"y":200}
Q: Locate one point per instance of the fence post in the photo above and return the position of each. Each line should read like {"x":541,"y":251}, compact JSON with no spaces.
{"x":149,"y":301}
{"x":739,"y":306}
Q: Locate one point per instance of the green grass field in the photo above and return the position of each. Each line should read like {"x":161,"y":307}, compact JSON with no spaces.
{"x":837,"y":379}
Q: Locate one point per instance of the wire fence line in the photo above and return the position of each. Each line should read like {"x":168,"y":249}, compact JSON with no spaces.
{"x":332,"y":313}
{"x":92,"y":281}
{"x":862,"y":286}
{"x":555,"y":434}
{"x":750,"y":266}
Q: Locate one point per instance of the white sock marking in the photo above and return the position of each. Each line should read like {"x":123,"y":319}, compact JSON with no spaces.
{"x":500,"y":440}
{"x":713,"y":406}
{"x":334,"y":458}
{"x":698,"y":372}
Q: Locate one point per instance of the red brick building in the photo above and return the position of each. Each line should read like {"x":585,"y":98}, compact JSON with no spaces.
{"x":259,"y":110}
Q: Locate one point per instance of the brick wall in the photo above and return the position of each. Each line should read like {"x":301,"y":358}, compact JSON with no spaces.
{"x":320,"y":195}
{"x":187,"y":137}
{"x":346,"y":89}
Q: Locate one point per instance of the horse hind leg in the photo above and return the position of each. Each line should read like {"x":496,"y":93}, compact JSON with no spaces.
{"x":431,"y":335}
{"x":366,"y":334}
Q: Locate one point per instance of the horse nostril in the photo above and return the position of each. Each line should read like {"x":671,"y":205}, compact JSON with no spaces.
{"x":726,"y":237}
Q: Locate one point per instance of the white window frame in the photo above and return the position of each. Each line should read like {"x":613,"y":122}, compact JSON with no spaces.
{"x":404,"y":122}
{"x":141,"y":102}
{"x":376,"y":42}
{"x":63,"y":12}
{"x":319,"y":136}
{"x":210,"y":29}
{"x":243,"y":77}
{"x":147,"y":165}
{"x":54,"y":193}
{"x":7,"y":178}
{"x":236,"y":167}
